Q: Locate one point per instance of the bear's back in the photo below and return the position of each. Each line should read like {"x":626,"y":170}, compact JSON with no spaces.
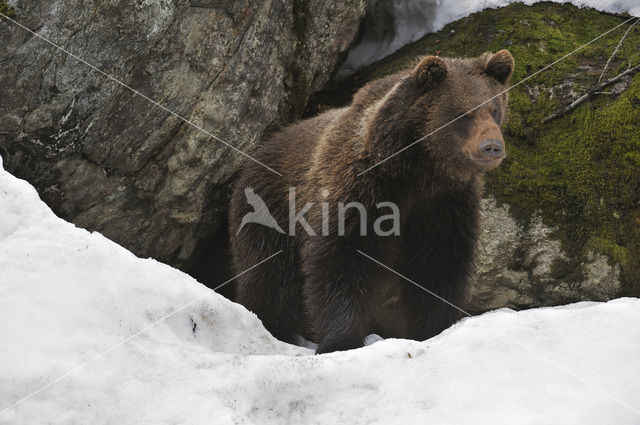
{"x":290,"y":151}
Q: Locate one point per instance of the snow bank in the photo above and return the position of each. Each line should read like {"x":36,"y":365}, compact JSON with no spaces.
{"x":67,"y":295}
{"x":412,"y":19}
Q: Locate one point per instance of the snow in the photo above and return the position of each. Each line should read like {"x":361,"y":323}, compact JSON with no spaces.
{"x":415,"y":18}
{"x":68,"y":295}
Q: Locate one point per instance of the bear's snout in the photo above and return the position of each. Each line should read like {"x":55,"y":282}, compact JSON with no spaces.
{"x":486,"y":146}
{"x":489,"y":153}
{"x":491,"y":148}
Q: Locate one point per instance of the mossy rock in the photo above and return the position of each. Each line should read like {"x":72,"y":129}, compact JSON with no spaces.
{"x":580,"y":171}
{"x":6,"y":10}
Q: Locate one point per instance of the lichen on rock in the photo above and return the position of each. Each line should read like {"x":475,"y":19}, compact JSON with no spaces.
{"x":525,"y":266}
{"x":6,"y":10}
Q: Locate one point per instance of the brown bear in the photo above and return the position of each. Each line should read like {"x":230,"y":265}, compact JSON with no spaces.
{"x":322,"y":285}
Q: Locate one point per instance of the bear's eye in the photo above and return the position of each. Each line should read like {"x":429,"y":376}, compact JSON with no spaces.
{"x":462,"y":116}
{"x":495,"y":113}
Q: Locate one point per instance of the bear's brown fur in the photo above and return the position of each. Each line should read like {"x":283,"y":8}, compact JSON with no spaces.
{"x":320,"y":286}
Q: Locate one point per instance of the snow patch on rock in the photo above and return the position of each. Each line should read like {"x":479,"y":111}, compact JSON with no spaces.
{"x":391,"y":24}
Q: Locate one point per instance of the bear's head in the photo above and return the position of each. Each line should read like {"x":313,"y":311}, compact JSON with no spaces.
{"x":457,"y":106}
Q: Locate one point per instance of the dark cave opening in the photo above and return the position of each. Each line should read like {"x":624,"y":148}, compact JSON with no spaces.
{"x":213,"y":267}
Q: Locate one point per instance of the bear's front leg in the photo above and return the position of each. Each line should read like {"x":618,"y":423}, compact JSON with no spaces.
{"x":335,"y":293}
{"x":438,"y":256}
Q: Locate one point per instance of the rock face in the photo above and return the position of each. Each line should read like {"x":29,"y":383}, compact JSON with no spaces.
{"x":520,"y":267}
{"x":112,"y":161}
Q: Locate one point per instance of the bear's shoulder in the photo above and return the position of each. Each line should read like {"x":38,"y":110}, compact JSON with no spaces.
{"x":377,"y":89}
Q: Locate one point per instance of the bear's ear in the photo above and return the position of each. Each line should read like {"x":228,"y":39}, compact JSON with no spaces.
{"x":430,"y":72}
{"x":500,"y":66}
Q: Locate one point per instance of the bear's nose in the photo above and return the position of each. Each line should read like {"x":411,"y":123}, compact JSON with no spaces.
{"x":492,"y":148}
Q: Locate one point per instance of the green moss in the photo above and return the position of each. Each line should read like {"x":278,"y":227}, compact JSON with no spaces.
{"x":567,"y":271}
{"x":6,"y":10}
{"x":617,"y":253}
{"x":582,"y":171}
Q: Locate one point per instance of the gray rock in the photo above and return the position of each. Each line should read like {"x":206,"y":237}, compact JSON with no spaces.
{"x":111,"y":161}
{"x":515,"y":267}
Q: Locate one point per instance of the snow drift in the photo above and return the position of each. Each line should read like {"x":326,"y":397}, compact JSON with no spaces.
{"x":73,"y":305}
{"x":391,"y":24}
